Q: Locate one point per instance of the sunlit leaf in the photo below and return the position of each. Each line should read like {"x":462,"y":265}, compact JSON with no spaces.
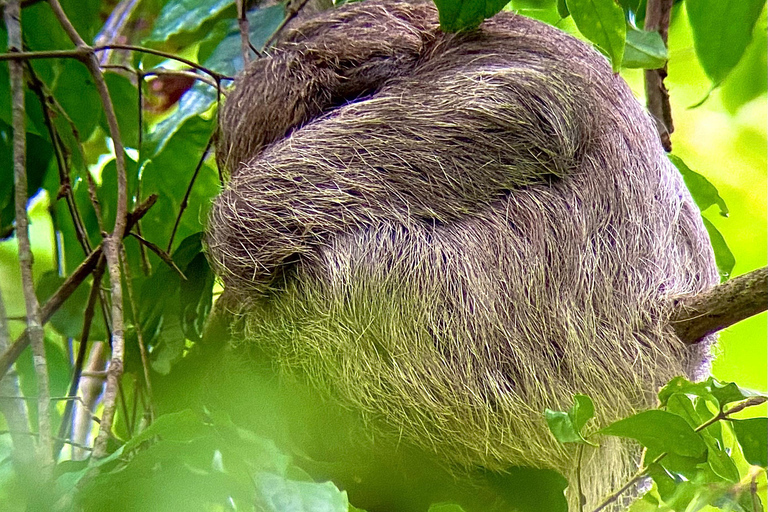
{"x":660,"y":430}
{"x":753,"y":437}
{"x":702,"y":190}
{"x":185,"y":16}
{"x":456,"y":15}
{"x":278,"y":494}
{"x":724,"y":258}
{"x":644,"y":50}
{"x":722,"y":29}
{"x":602,"y":22}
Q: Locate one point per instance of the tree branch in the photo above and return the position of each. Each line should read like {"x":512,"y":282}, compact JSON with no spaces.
{"x":657,"y":13}
{"x":724,"y":305}
{"x":34,"y":324}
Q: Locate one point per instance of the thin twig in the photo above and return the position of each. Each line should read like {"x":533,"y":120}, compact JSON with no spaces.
{"x":114,"y":26}
{"x":657,"y":14}
{"x":34,"y":323}
{"x":14,"y":411}
{"x":82,"y":55}
{"x":140,"y":337}
{"x":66,"y":421}
{"x":185,"y":200}
{"x":244,"y":26}
{"x":160,"y":253}
{"x":289,"y":15}
{"x":66,"y":289}
{"x":740,"y":406}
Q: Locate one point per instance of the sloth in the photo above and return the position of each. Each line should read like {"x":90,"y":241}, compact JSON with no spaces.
{"x":450,"y":233}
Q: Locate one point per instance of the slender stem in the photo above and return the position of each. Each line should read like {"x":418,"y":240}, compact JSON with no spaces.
{"x":66,"y":421}
{"x":292,"y":12}
{"x":243,"y":25}
{"x":140,"y":337}
{"x":657,"y":15}
{"x":749,"y":402}
{"x":14,"y":411}
{"x":82,"y":54}
{"x":185,"y":200}
{"x":115,"y":24}
{"x":34,"y":323}
{"x":160,"y":253}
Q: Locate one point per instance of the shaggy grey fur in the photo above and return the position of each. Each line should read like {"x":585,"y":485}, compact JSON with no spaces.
{"x":453,"y":232}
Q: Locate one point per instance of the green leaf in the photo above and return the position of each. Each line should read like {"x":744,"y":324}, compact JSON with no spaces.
{"x":226,"y":59}
{"x":456,"y":15}
{"x":39,"y":154}
{"x":582,"y":411}
{"x":182,"y":426}
{"x":748,"y":80}
{"x":661,"y":430}
{"x":722,"y":29}
{"x":278,"y":494}
{"x":724,"y":258}
{"x":602,"y":22}
{"x":125,"y":97}
{"x":644,"y":50}
{"x":562,"y":9}
{"x":566,"y":427}
{"x":185,"y":16}
{"x":702,"y":190}
{"x":531,"y":490}
{"x":752,"y":435}
{"x":196,"y":296}
{"x":78,"y":97}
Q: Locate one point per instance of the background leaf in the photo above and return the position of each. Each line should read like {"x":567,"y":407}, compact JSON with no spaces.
{"x":602,"y":22}
{"x":722,"y":30}
{"x":659,"y":430}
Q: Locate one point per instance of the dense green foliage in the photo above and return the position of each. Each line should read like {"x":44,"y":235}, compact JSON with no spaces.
{"x":213,"y":434}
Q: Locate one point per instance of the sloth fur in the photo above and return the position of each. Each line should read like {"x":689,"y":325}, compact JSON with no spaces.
{"x":453,"y":232}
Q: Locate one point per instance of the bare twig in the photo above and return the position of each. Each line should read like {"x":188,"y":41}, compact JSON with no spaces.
{"x":34,"y":323}
{"x":14,"y":411}
{"x":740,"y":406}
{"x":140,"y":338}
{"x":81,"y":55}
{"x":243,"y":25}
{"x":113,"y":28}
{"x":160,"y":253}
{"x":291,"y":13}
{"x":185,"y":200}
{"x":657,"y":13}
{"x":66,"y":289}
{"x":706,"y":313}
{"x":66,"y":421}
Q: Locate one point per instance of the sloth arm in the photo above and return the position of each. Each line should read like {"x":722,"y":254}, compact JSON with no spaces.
{"x":431,"y":148}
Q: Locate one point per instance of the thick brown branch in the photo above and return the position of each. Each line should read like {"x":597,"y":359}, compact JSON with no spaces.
{"x":657,"y":14}
{"x":731,"y":302}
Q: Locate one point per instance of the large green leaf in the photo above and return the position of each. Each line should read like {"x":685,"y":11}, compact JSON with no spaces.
{"x":724,"y":258}
{"x":722,"y":29}
{"x":279,"y":494}
{"x":644,"y":50}
{"x":753,"y":438}
{"x":660,"y":430}
{"x":602,"y":22}
{"x":703,"y":192}
{"x":456,"y":15}
{"x":196,"y":296}
{"x":125,"y":97}
{"x":185,"y":16}
{"x":226,"y":58}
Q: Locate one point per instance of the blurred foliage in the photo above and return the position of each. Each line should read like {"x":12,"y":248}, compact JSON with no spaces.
{"x":218,"y":433}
